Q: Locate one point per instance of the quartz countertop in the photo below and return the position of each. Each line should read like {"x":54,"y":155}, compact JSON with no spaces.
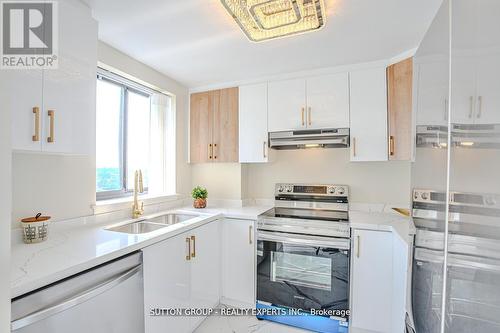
{"x":83,"y":243}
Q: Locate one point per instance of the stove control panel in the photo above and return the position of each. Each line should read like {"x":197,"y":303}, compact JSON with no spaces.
{"x":307,"y":189}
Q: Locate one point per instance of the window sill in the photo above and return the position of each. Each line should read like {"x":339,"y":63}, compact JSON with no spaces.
{"x":113,"y":205}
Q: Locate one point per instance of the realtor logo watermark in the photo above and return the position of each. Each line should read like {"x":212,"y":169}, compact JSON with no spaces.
{"x":29,"y":36}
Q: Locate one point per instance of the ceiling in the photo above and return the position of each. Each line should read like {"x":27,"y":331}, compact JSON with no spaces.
{"x":197,"y":43}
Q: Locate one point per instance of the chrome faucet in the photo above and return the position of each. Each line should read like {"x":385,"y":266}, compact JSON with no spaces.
{"x":138,"y":207}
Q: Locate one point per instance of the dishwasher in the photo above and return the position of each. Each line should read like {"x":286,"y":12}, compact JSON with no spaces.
{"x":106,"y":299}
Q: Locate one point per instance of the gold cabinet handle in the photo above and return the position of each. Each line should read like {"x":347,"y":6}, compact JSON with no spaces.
{"x":193,"y":253}
{"x":358,"y":240}
{"x":471,"y":106}
{"x":36,"y":136}
{"x":214,"y":151}
{"x":209,"y":151}
{"x":188,"y":242}
{"x":480,"y":106}
{"x":52,"y":116}
{"x":354,"y":147}
{"x":250,"y":232}
{"x":391,"y":145}
{"x":264,"y":149}
{"x":302,"y":116}
{"x":309,"y":116}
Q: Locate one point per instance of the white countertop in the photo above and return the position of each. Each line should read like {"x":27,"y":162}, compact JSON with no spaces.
{"x":75,"y":246}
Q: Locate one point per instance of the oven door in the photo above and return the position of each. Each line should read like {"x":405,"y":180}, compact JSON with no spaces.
{"x":303,"y":272}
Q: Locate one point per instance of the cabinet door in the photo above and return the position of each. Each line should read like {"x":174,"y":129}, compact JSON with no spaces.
{"x":200,"y":120}
{"x":432,"y":93}
{"x":225,"y":126}
{"x":287,"y":102}
{"x":69,"y":91}
{"x":253,"y":123}
{"x":368,"y":115}
{"x":205,"y":268}
{"x":371,"y":281}
{"x":463,"y":90}
{"x":328,"y":101}
{"x":238,"y":262}
{"x":488,"y":86}
{"x":20,"y":93}
{"x":167,"y":283}
{"x":399,"y":109}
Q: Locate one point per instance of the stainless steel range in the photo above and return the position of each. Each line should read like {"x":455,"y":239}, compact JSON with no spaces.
{"x":473,"y":261}
{"x":303,"y":249}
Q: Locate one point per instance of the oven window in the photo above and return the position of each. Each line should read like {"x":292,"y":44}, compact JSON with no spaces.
{"x":301,"y":270}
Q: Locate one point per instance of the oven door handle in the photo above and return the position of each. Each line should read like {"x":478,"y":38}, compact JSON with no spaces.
{"x":294,"y":239}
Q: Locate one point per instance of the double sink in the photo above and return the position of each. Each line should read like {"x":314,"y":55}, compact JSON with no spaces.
{"x":151,"y":224}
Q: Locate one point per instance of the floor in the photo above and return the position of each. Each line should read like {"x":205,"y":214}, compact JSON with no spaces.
{"x":243,"y":324}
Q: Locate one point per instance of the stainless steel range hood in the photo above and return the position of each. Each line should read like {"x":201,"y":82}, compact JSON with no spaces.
{"x":324,"y":138}
{"x":462,"y":135}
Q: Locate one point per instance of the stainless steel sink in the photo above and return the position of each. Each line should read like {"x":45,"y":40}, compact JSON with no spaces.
{"x":173,"y":218}
{"x":140,"y":227}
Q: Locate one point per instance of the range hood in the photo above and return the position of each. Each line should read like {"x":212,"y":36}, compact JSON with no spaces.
{"x":324,"y":138}
{"x":462,"y":135}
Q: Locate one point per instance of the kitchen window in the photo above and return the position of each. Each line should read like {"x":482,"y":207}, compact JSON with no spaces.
{"x":134,"y":130}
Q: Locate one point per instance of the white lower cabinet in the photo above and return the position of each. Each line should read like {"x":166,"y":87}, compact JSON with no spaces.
{"x":238,"y":262}
{"x":182,"y":272}
{"x":378,"y":281}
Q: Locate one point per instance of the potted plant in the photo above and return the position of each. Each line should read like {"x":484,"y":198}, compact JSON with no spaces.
{"x":200,"y":197}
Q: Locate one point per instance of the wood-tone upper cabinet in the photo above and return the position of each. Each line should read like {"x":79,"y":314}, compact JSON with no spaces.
{"x":214,"y":126}
{"x":399,"y":107}
{"x":225,"y":127}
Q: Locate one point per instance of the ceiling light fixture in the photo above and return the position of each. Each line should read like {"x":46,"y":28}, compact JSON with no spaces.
{"x":267,"y":19}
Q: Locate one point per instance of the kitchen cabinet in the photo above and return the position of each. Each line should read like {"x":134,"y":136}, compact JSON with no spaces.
{"x":287,"y":103}
{"x":312,"y":103}
{"x":167,"y":283}
{"x":214,"y":126}
{"x":182,"y":272}
{"x":383,"y":258}
{"x":475,"y":78}
{"x":238,"y":262}
{"x":253,"y":145}
{"x":328,"y":101}
{"x":56,"y":112}
{"x":432,"y":92}
{"x":399,"y":109}
{"x":368,"y":118}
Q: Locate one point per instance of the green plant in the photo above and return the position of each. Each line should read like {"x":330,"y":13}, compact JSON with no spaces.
{"x":199,"y":193}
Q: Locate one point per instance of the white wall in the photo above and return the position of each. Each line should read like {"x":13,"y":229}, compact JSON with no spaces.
{"x":222,"y":180}
{"x":64,"y":186}
{"x":5,"y":216}
{"x":369,"y":182}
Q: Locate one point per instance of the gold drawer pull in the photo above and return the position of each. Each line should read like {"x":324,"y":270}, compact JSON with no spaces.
{"x":52,"y":116}
{"x":391,"y":145}
{"x":36,"y":136}
{"x":188,"y":242}
{"x":193,"y":253}
{"x":302,"y":116}
{"x":309,"y":116}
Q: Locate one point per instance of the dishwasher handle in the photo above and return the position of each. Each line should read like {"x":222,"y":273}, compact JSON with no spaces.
{"x":75,"y":300}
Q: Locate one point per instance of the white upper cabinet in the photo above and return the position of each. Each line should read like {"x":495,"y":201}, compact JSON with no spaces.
{"x":488,"y":88}
{"x":314,"y":102}
{"x":328,"y":101}
{"x":287,"y":105}
{"x":68,"y":91}
{"x":253,"y":145}
{"x":368,"y":118}
{"x":432,"y":93}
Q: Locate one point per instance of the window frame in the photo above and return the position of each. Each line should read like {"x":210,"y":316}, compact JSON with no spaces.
{"x":126,"y":87}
